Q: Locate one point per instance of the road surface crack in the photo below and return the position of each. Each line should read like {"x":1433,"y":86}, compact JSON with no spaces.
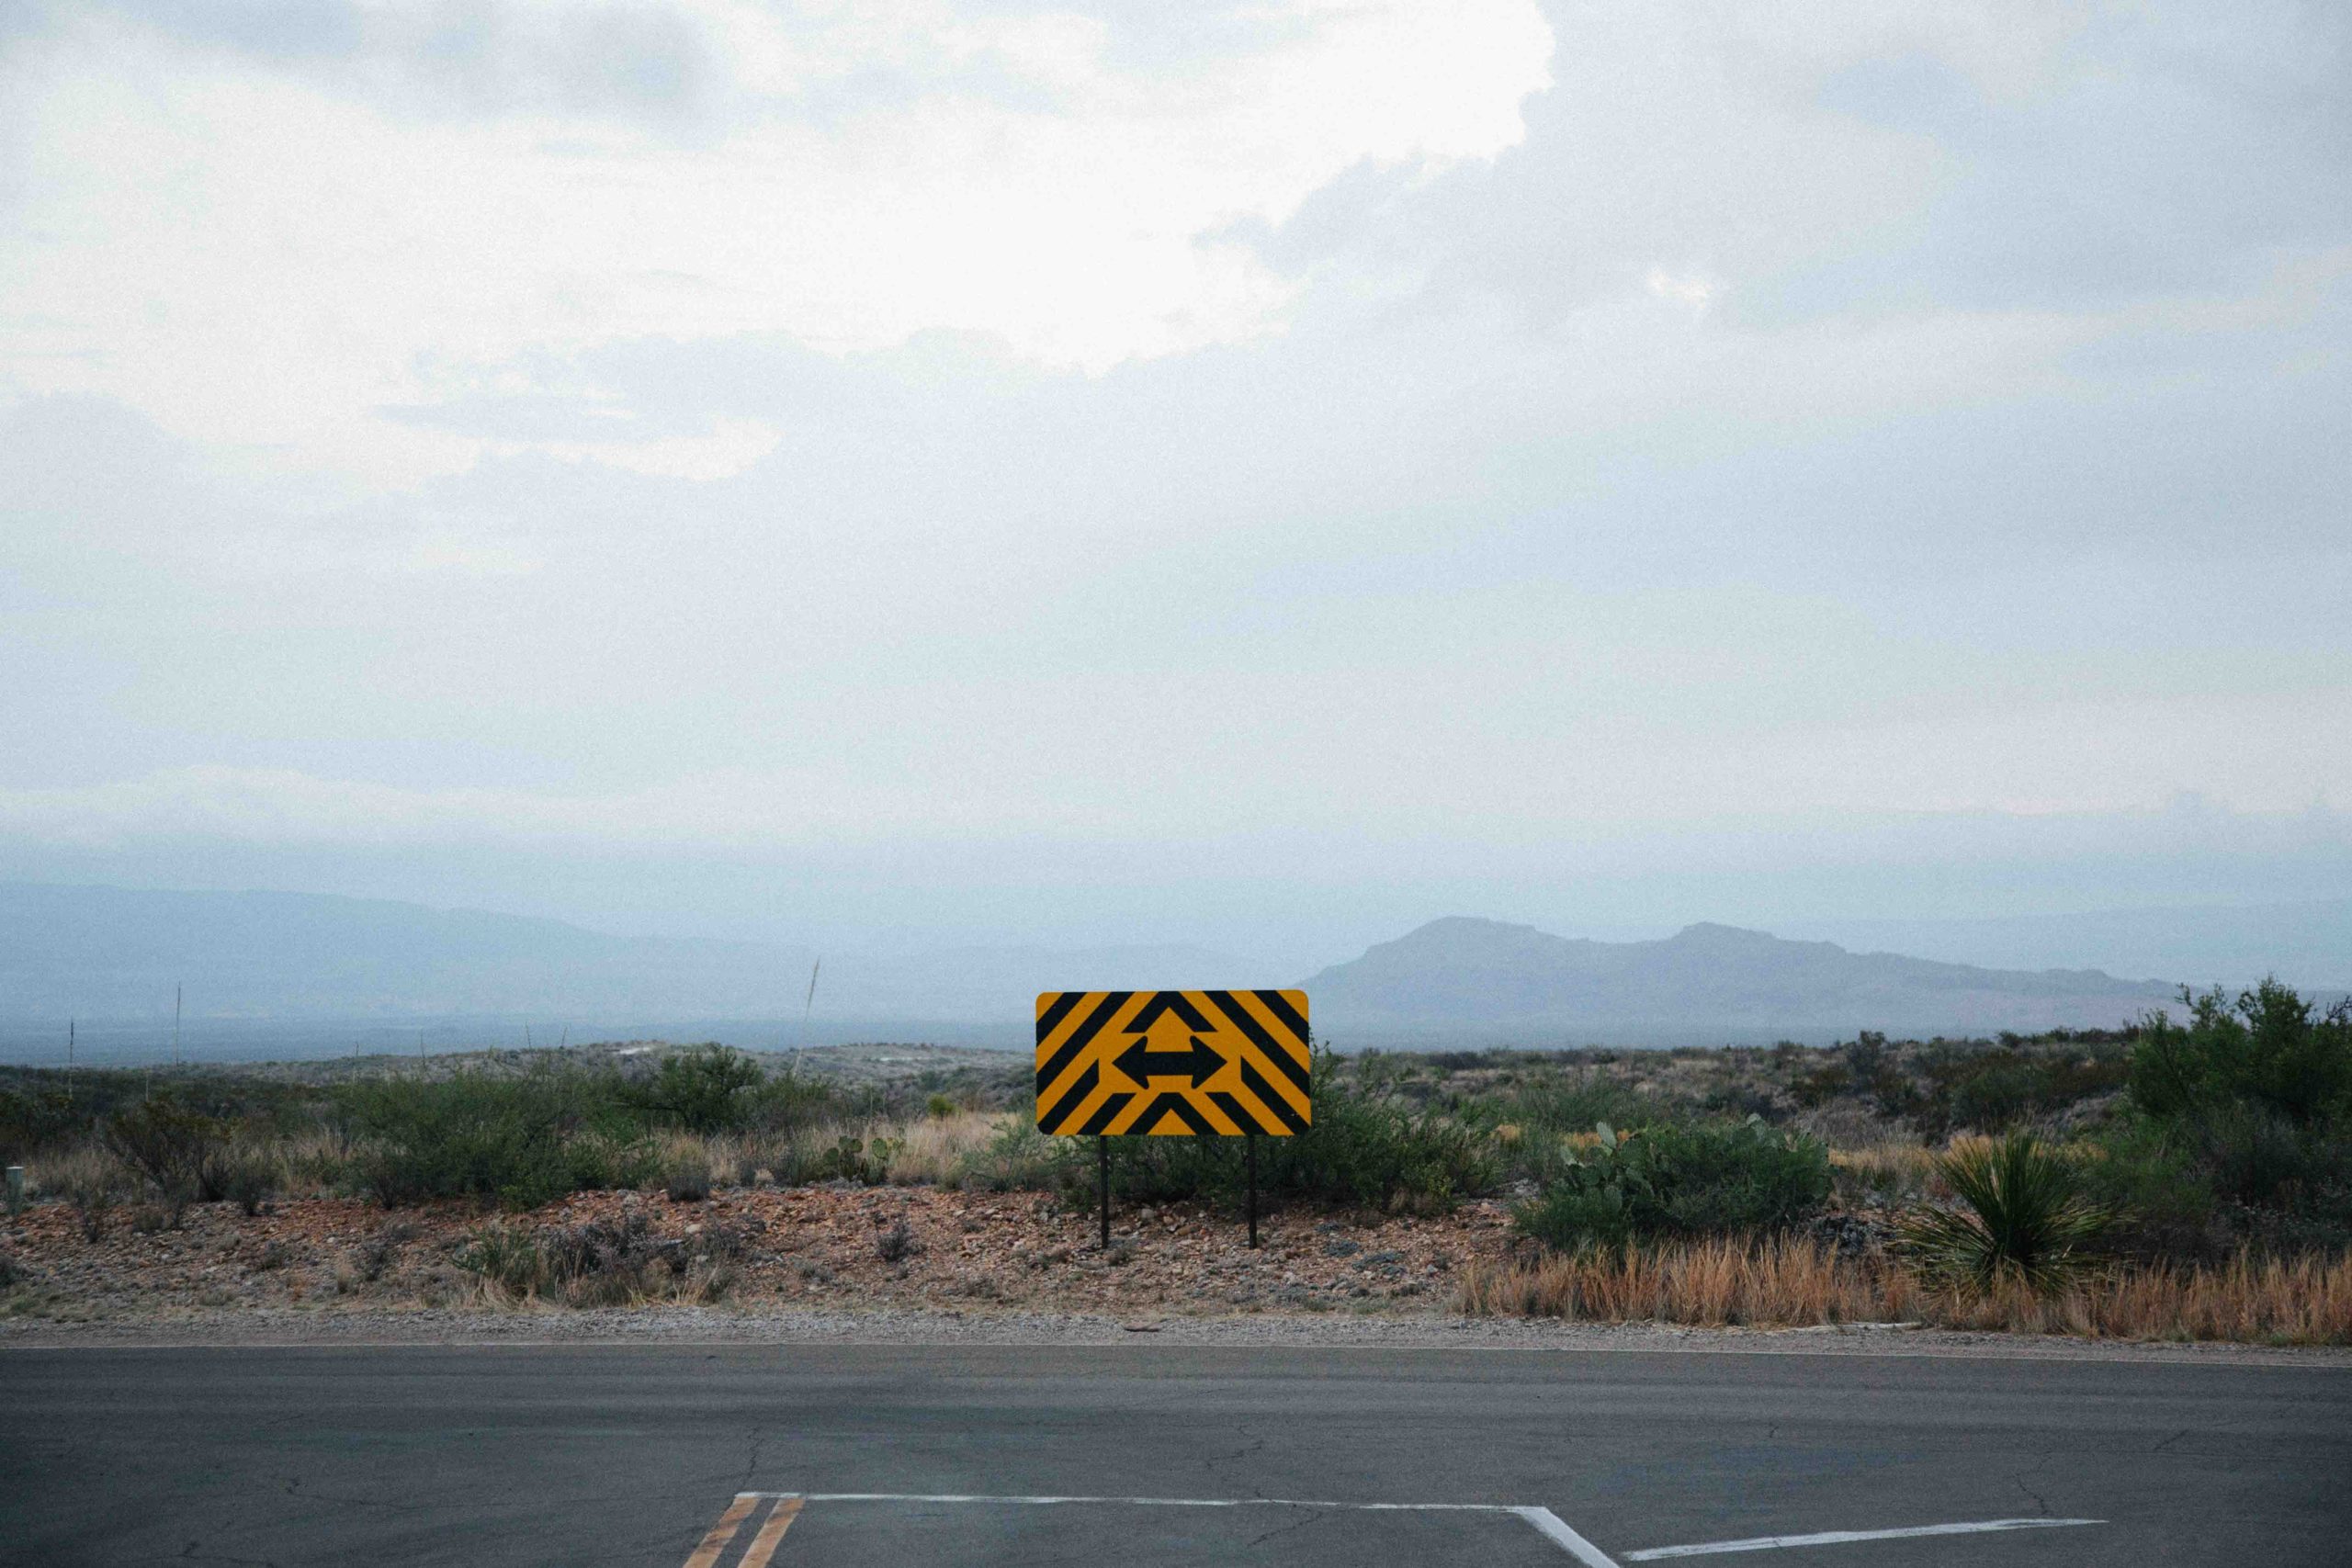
{"x":2024,"y":1477}
{"x":189,"y":1554}
{"x":1307,"y":1517}
{"x":751,"y":1460}
{"x":294,"y":1489}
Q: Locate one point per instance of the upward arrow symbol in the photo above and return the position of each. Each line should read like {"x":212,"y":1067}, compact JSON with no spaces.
{"x":1196,"y":1062}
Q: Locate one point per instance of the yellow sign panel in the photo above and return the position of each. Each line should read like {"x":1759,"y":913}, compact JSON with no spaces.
{"x":1180,"y":1064}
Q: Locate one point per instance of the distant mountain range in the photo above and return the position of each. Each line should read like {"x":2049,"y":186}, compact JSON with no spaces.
{"x":311,"y":972}
{"x":1462,"y":978}
{"x":266,"y":961}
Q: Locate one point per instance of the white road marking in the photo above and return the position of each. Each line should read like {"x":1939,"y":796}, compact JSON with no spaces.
{"x":1556,"y":1529}
{"x":1545,"y":1521}
{"x":1836,"y":1538}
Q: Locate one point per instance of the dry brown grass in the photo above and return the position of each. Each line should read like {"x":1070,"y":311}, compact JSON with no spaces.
{"x":1788,"y":1283}
{"x":1895,"y":1171}
{"x":79,"y":1173}
{"x":931,"y":1150}
{"x":1797,"y":1283}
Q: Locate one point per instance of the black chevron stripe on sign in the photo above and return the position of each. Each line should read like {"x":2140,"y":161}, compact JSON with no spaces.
{"x":1174,"y":1064}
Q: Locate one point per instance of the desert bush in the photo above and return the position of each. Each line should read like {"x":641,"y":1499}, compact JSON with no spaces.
{"x":1679,"y":1181}
{"x":686,"y":1177}
{"x":2263,"y":1049}
{"x":507,"y":1258}
{"x":1371,"y":1147}
{"x":708,"y":1089}
{"x":521,"y":1140}
{"x":1995,"y":1097}
{"x":1821,"y":1084}
{"x":185,"y":1153}
{"x":896,"y":1243}
{"x":1018,"y":1157}
{"x":788,"y":1100}
{"x":246,"y":1176}
{"x":313,"y":1159}
{"x":2028,"y":1220}
{"x":2162,"y":1195}
{"x":375,"y":1254}
{"x":1574,"y":1100}
{"x":614,"y":1261}
{"x":2240,"y":1127}
{"x":34,"y":1117}
{"x":1991,"y":1090}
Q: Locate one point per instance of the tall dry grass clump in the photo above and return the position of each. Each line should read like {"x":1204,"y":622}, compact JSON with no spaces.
{"x":932,"y":1151}
{"x":1787,"y":1283}
{"x":1794,"y":1284}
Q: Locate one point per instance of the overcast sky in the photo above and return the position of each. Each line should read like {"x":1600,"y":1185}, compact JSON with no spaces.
{"x":965,"y":472}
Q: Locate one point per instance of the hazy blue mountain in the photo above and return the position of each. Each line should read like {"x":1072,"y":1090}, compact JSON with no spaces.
{"x":2307,"y":945}
{"x":1472,"y":978}
{"x":114,"y":952}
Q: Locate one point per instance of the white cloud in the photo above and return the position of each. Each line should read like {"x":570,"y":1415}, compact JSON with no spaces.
{"x":260,"y":258}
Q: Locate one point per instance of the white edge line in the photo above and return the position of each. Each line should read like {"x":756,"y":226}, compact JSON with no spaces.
{"x":1834,"y":1538}
{"x":1547,"y":1524}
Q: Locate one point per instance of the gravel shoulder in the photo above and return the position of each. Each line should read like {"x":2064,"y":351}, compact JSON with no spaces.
{"x":689,"y":1325}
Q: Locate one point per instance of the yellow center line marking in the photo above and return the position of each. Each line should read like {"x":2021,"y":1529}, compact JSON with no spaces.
{"x":723,"y":1532}
{"x":772,"y":1531}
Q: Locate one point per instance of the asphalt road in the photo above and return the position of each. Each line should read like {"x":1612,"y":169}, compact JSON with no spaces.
{"x":628,"y":1456}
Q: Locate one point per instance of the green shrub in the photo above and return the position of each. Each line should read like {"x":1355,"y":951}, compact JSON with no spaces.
{"x":2161,"y":1194}
{"x":1822,"y":1085}
{"x":2264,"y":1049}
{"x":2002,"y":1092}
{"x":1367,"y":1146}
{"x":506,"y":1257}
{"x":38,"y":1116}
{"x":789,"y":1100}
{"x":2028,"y":1218}
{"x":708,"y":1089}
{"x":2242,"y":1109}
{"x":247,"y":1177}
{"x":1560,"y":1102}
{"x":1021,"y":1159}
{"x":183,"y":1151}
{"x":521,"y":1140}
{"x":1676,"y":1181}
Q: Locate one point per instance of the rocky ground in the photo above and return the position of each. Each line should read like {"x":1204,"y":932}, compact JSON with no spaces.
{"x":829,"y":1245}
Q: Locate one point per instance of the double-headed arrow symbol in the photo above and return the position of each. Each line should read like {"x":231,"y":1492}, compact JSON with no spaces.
{"x":1194,"y":1064}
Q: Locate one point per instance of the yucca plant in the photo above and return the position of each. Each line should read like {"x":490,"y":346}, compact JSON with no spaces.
{"x":2027,"y":1219}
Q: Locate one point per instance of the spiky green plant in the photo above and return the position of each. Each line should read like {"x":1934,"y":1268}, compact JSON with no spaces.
{"x":2027,"y":1219}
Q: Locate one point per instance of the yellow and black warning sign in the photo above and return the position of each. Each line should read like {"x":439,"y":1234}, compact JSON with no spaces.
{"x":1186,"y":1064}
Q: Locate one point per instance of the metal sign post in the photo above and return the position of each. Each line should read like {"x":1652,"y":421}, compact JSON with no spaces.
{"x":1252,"y":1140}
{"x":1102,"y":1169}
